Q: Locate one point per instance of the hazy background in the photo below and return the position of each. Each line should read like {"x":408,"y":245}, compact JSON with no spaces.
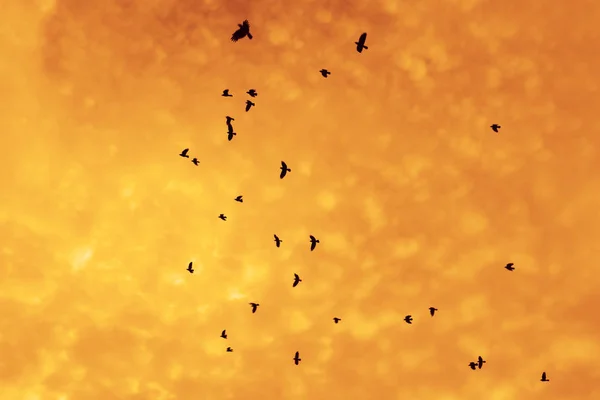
{"x":417,"y":203}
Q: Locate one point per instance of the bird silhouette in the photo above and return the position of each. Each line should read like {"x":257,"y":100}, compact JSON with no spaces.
{"x":228,"y":119}
{"x":249,"y":105}
{"x":297,"y":280}
{"x":223,"y":217}
{"x":313,"y":242}
{"x":473,"y":365}
{"x":360,"y":45}
{"x":230,"y":135}
{"x":226,"y":93}
{"x":284,"y":170}
{"x":325,"y":73}
{"x":297,"y":358}
{"x":184,"y":153}
{"x":510,"y":267}
{"x":408,"y":319}
{"x":544,"y":379}
{"x":432,"y":310}
{"x":480,"y":362}
{"x":495,"y":127}
{"x":252,"y":93}
{"x":195,"y":161}
{"x":229,"y":350}
{"x":254,"y":307}
{"x":242,"y":31}
{"x":224,"y":334}
{"x":189,"y":268}
{"x":336,"y":320}
{"x":239,"y":199}
{"x":277,"y":241}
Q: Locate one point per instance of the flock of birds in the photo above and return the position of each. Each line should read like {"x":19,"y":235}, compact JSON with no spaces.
{"x":242,"y":32}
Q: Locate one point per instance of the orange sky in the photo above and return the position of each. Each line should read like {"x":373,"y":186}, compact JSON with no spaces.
{"x":417,"y":203}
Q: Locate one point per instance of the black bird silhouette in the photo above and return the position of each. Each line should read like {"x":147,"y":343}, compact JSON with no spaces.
{"x":432,"y":310}
{"x":229,"y":350}
{"x":336,"y":320}
{"x":360,"y":45}
{"x":473,"y":365}
{"x":408,"y":319}
{"x":242,"y":31}
{"x":224,"y":334}
{"x":277,"y":241}
{"x":189,"y":268}
{"x":184,"y":153}
{"x":252,"y":93}
{"x":226,"y":93}
{"x":239,"y":199}
{"x":297,"y":280}
{"x":230,"y":135}
{"x":284,"y":170}
{"x":223,"y":217}
{"x":228,"y":120}
{"x":510,"y":267}
{"x":297,"y":358}
{"x":249,"y":105}
{"x":195,"y":161}
{"x":480,"y":362}
{"x":544,"y":379}
{"x":325,"y":73}
{"x":254,"y":307}
{"x":495,"y":127}
{"x":313,"y":242}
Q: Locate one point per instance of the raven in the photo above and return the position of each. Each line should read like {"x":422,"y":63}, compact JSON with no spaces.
{"x":242,"y":32}
{"x":360,"y":45}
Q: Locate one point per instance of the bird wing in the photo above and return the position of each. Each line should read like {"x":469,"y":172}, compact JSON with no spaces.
{"x":362,"y":39}
{"x":283,"y":172}
{"x":543,"y":375}
{"x":246,"y":24}
{"x":313,"y":245}
{"x":283,"y":165}
{"x":296,"y":277}
{"x":237,"y":35}
{"x":184,"y":152}
{"x":190,"y":264}
{"x":248,"y":105}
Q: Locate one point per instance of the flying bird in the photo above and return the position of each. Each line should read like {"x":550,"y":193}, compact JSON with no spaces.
{"x":408,"y":319}
{"x":195,"y":161}
{"x":432,"y":310}
{"x":254,"y":307}
{"x":360,"y":45}
{"x":249,"y":105}
{"x":313,"y":242}
{"x":229,"y":350}
{"x":239,"y":199}
{"x":226,"y":93}
{"x":544,"y":379}
{"x":297,"y":280}
{"x":336,"y":320}
{"x":277,"y":241}
{"x":510,"y":267}
{"x":473,"y":365}
{"x":284,"y":170}
{"x":224,"y":334}
{"x":297,"y":358}
{"x":184,"y":153}
{"x":480,"y":362}
{"x":242,"y":31}
{"x":495,"y":127}
{"x":252,"y":93}
{"x":325,"y":73}
{"x":230,"y":135}
{"x":189,"y":268}
{"x":223,"y":217}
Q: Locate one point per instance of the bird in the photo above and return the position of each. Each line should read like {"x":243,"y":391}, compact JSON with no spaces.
{"x":223,"y":217}
{"x":230,"y":135}
{"x":239,"y":199}
{"x":325,"y":73}
{"x":224,"y":334}
{"x":184,"y":153}
{"x":254,"y":307}
{"x":252,"y":93}
{"x":226,"y":93}
{"x":297,"y":280}
{"x":510,"y":267}
{"x":495,"y":127}
{"x":432,"y":310}
{"x":408,"y":319}
{"x":229,"y":350}
{"x":189,"y":268}
{"x":284,"y":170}
{"x":480,"y":362}
{"x":336,"y":320}
{"x":473,"y":365}
{"x":249,"y":105}
{"x":297,"y":358}
{"x":195,"y":161}
{"x":544,"y":379}
{"x":242,"y":31}
{"x":313,"y":242}
{"x":360,"y":45}
{"x":277,"y":241}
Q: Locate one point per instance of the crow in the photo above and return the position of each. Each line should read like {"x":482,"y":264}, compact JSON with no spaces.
{"x":277,"y":241}
{"x":224,"y":334}
{"x":226,"y":93}
{"x":254,"y":307}
{"x":510,"y":267}
{"x":325,"y":73}
{"x":223,"y":217}
{"x":195,"y":161}
{"x":252,"y":93}
{"x":360,"y":45}
{"x":297,"y":358}
{"x":249,"y":105}
{"x":229,"y":350}
{"x":544,"y":379}
{"x":189,"y":268}
{"x":432,"y":310}
{"x":239,"y":199}
{"x":473,"y":365}
{"x":284,"y":170}
{"x":408,"y":319}
{"x":495,"y":127}
{"x":242,"y":31}
{"x":336,"y":320}
{"x":313,"y":242}
{"x":480,"y":362}
{"x":297,"y":280}
{"x":184,"y":153}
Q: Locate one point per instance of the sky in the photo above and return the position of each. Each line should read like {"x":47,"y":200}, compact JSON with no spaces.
{"x":416,"y":202}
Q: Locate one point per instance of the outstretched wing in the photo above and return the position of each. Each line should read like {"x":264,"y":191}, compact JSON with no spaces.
{"x":362,"y":39}
{"x":190,"y":265}
{"x":237,"y":35}
{"x":246,"y":25}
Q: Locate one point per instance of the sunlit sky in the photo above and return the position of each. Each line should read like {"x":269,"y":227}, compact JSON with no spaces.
{"x":415,"y":200}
